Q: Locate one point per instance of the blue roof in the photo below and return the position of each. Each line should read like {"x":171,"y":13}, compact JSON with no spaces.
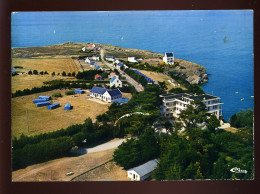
{"x":114,"y":92}
{"x":98,"y":90}
{"x":120,"y":64}
{"x":67,"y":105}
{"x":169,"y":54}
{"x":123,"y":100}
{"x":113,"y":79}
{"x":111,"y":57}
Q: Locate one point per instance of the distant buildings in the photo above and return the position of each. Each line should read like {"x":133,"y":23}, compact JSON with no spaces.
{"x":116,"y":82}
{"x":110,"y":58}
{"x":106,"y":95}
{"x":143,"y":171}
{"x":95,"y":57}
{"x":98,"y":77}
{"x":132,"y":60}
{"x":173,"y":104}
{"x":168,"y":58}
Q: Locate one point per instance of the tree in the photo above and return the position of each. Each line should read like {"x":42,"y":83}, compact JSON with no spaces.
{"x":63,"y":73}
{"x":195,"y":113}
{"x":53,"y":73}
{"x":41,"y":72}
{"x":45,"y":72}
{"x":30,"y":72}
{"x":69,"y":74}
{"x":35,"y":72}
{"x":73,"y":74}
{"x":162,"y":86}
{"x":213,"y":123}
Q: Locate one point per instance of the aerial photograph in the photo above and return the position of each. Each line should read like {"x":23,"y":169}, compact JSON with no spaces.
{"x":132,"y":95}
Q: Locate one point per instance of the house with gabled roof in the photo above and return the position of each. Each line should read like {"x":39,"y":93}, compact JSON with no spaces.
{"x":168,"y":58}
{"x":87,"y":60}
{"x":98,"y":77}
{"x":143,"y":171}
{"x":106,"y":95}
{"x":110,"y":58}
{"x":116,"y":82}
{"x":95,"y":57}
{"x":112,"y":95}
{"x":119,"y":65}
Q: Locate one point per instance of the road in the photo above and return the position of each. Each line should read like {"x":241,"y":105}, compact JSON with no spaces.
{"x":101,"y":147}
{"x":129,"y":79}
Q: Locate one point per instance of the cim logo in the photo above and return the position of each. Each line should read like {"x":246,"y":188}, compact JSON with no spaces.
{"x":238,"y":170}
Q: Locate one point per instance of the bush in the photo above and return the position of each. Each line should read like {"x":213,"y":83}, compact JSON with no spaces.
{"x":63,"y":73}
{"x":53,"y":73}
{"x":35,"y":72}
{"x":56,"y":95}
{"x":30,"y":72}
{"x":41,"y":72}
{"x":45,"y":72}
{"x":69,"y":74}
{"x":73,"y":74}
{"x":71,"y":92}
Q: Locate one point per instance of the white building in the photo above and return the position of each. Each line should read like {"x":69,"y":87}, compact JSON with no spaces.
{"x":87,"y":60}
{"x":116,"y":61}
{"x":173,"y":104}
{"x":115,"y":81}
{"x":143,"y":171}
{"x":110,"y":58}
{"x":84,"y":49}
{"x":95,"y":57}
{"x":168,"y":58}
{"x":132,"y":60}
{"x":106,"y":94}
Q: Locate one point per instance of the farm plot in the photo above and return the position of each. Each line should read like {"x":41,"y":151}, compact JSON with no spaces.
{"x":41,"y":120}
{"x":107,"y":172}
{"x":49,"y":65}
{"x":20,"y":82}
{"x":56,"y":170}
{"x":159,"y":77}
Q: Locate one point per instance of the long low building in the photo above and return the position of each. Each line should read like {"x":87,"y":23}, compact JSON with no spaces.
{"x":106,"y":95}
{"x":143,"y":171}
{"x":173,"y":104}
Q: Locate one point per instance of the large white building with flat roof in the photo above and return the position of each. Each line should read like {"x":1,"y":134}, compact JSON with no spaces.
{"x":173,"y":104}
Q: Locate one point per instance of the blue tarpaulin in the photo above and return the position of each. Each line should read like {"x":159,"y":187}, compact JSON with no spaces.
{"x":44,"y":97}
{"x":39,"y":100}
{"x":53,"y":106}
{"x":39,"y":104}
{"x":67,"y":106}
{"x":78,"y":91}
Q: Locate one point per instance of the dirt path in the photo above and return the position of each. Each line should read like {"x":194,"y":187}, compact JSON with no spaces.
{"x":56,"y":170}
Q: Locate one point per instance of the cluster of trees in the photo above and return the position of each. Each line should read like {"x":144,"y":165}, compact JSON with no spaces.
{"x":65,"y":74}
{"x":35,"y":72}
{"x":191,"y":88}
{"x":58,"y":94}
{"x":195,"y":153}
{"x":134,"y":152}
{"x":136,"y":77}
{"x":28,"y":150}
{"x":71,"y":92}
{"x":88,"y":75}
{"x":242,"y":119}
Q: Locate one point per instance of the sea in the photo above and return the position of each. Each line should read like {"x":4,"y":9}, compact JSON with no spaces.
{"x":219,"y":40}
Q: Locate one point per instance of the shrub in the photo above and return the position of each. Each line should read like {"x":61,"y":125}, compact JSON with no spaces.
{"x":30,"y":72}
{"x":41,"y":72}
{"x":53,"y":73}
{"x":35,"y":72}
{"x":56,"y":95}
{"x":71,"y":92}
{"x":63,"y":73}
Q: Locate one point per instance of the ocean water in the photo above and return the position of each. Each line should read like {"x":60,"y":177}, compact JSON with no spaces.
{"x":221,"y":41}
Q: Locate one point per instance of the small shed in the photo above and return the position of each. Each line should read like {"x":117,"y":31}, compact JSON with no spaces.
{"x":53,"y":106}
{"x":40,"y":104}
{"x":98,"y":77}
{"x":45,"y":97}
{"x":39,"y":100}
{"x":143,"y":171}
{"x":78,"y":91}
{"x":67,"y":106}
